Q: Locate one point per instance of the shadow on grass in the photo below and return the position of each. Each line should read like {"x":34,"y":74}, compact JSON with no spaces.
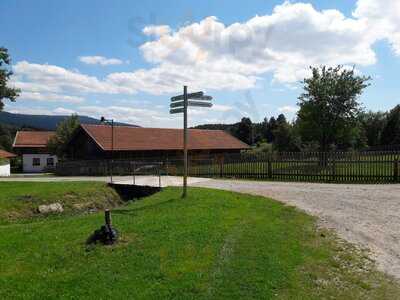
{"x":128,"y":192}
{"x":133,"y":211}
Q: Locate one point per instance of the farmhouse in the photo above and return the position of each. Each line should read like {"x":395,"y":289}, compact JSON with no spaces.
{"x":5,"y":162}
{"x":32,"y":146}
{"x":95,"y":142}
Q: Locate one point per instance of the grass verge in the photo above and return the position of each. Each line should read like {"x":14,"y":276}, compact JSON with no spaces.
{"x":20,"y":200}
{"x":212,"y":245}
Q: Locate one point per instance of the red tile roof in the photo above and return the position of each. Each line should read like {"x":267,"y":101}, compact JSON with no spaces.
{"x":6,"y":154}
{"x":32,"y":139}
{"x":139,"y":138}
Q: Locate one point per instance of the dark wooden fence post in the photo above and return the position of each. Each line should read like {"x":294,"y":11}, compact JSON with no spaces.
{"x":221,"y":167}
{"x":396,"y":170}
{"x":269,"y":168}
{"x":133,"y":173}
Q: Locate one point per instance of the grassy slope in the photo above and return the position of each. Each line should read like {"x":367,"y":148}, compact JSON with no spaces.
{"x":20,"y":200}
{"x":214,"y":245}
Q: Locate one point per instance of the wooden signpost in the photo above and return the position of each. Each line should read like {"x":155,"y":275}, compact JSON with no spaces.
{"x":179,"y":104}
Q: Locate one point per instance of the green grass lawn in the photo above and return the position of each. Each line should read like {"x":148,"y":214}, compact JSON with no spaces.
{"x":213,"y":245}
{"x":20,"y":200}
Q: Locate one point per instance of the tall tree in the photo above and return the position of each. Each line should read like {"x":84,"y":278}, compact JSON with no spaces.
{"x":391,"y":132}
{"x":329,"y":105}
{"x":373,"y":124}
{"x":58,"y":144}
{"x":6,"y":92}
{"x":245,"y":131}
{"x":269,"y":131}
{"x":284,"y":135}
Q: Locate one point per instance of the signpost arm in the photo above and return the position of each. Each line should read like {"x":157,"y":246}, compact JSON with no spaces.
{"x":185,"y":140}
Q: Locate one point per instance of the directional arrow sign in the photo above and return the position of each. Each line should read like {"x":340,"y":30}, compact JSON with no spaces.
{"x":176,"y":104}
{"x":176,"y":110}
{"x":204,"y":98}
{"x":177,"y":98}
{"x":199,"y":103}
{"x":190,"y":96}
{"x":191,"y":103}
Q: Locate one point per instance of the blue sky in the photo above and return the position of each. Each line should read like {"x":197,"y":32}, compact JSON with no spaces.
{"x":125,"y":59}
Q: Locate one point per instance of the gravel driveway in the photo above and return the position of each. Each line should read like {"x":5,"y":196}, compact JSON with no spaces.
{"x":368,"y":215}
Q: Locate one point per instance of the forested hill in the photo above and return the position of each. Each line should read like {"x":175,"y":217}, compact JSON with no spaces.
{"x":226,"y":127}
{"x":41,"y":122}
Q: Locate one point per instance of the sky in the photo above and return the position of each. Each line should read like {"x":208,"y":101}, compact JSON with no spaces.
{"x":125,"y":59}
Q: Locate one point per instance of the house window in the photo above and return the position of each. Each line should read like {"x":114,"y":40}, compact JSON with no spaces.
{"x":36,"y":161}
{"x":50,"y":162}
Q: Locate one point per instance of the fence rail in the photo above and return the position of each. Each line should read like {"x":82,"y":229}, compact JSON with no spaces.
{"x":356,"y":167}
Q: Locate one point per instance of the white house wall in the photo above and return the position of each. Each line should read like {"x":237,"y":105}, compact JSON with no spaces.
{"x":5,"y":169}
{"x":27,"y":162}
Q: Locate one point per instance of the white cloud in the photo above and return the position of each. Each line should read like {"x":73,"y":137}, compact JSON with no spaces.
{"x":157,"y":30}
{"x":63,"y":111}
{"x":288,"y":109}
{"x":50,"y":97}
{"x":285,"y":43}
{"x":100,"y":60}
{"x":382,"y":19}
{"x":169,"y":78}
{"x":139,"y":116}
{"x":29,"y":110}
{"x":221,"y":108}
{"x":45,"y":78}
{"x":57,"y":79}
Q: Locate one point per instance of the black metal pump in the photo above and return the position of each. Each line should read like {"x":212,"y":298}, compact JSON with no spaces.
{"x":107,"y":235}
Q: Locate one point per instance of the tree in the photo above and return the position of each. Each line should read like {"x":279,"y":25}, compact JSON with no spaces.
{"x":373,"y":124}
{"x":329,"y":105}
{"x":391,"y":131}
{"x":245,"y":131}
{"x":58,"y":144}
{"x":281,"y":120}
{"x":5,"y":74}
{"x":284,"y":135}
{"x":268,"y":127}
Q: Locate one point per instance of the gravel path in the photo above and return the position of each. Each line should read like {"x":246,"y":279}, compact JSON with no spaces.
{"x":368,"y":215}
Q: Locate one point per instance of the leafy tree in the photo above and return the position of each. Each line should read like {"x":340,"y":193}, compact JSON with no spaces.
{"x":245,"y":130}
{"x":58,"y":144}
{"x":281,"y":120}
{"x":285,"y":138}
{"x":5,"y":74}
{"x":257,"y":135}
{"x":391,"y":131}
{"x":329,"y":105}
{"x":268,"y":127}
{"x":270,"y":130}
{"x":373,"y":124}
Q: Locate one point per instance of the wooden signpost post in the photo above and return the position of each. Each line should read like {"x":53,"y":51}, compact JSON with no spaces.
{"x":179,"y":104}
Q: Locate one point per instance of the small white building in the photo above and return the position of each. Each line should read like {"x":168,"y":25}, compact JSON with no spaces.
{"x":32,"y":146}
{"x":5,"y":169}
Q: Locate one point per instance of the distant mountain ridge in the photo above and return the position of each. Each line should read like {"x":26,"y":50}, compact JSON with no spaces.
{"x":44,"y":122}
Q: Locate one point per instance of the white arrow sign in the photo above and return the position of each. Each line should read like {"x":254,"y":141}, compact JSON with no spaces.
{"x":176,"y":110}
{"x":199,"y":103}
{"x":204,"y":98}
{"x":190,"y":96}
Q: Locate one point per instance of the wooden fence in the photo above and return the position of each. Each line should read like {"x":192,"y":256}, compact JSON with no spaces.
{"x":340,"y":167}
{"x":365,"y":167}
